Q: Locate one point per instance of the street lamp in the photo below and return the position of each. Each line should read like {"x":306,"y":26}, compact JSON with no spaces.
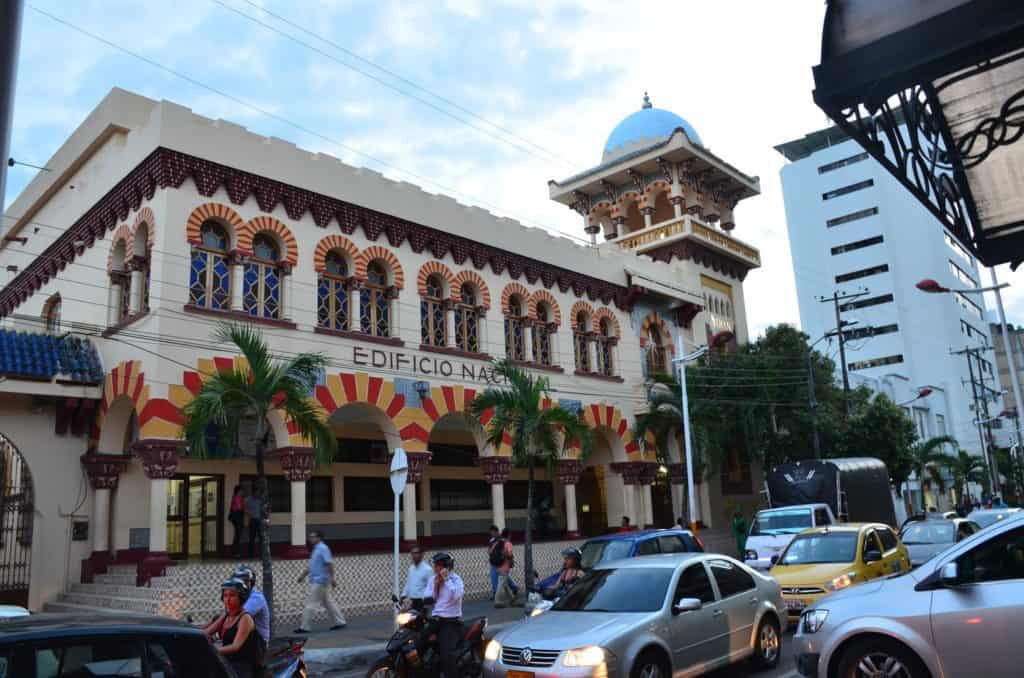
{"x":718,"y":340}
{"x":922,"y":392}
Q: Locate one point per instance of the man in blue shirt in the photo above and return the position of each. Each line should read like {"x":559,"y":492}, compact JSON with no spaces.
{"x":448,"y":590}
{"x":321,"y":576}
{"x":256,"y":604}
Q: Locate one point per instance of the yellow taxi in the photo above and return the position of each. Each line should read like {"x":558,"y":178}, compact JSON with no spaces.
{"x":825,"y":559}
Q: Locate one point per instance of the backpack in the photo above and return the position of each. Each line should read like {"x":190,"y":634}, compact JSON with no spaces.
{"x":497,"y":553}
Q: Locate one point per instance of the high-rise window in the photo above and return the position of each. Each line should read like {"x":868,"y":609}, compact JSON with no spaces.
{"x":852,"y":216}
{"x":857,"y":244}
{"x":862,"y":273}
{"x":843,"y":190}
{"x":876,"y":362}
{"x":824,"y":169}
{"x":864,"y":303}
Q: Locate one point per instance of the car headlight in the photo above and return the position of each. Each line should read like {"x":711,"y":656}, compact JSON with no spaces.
{"x":812,"y":620}
{"x":492,"y":651}
{"x":537,"y":611}
{"x":750,"y":554}
{"x":404,"y":618}
{"x":841,"y":582}
{"x":584,"y":656}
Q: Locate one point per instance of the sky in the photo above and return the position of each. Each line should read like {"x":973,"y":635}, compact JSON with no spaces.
{"x":483,"y":101}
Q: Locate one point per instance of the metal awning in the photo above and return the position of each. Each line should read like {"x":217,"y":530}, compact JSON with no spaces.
{"x":666,"y":289}
{"x":934,"y":90}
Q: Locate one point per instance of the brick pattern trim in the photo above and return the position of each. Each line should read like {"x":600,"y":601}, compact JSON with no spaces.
{"x":282,"y":234}
{"x":514,"y":289}
{"x":122,"y":234}
{"x":577,"y":308}
{"x":433,"y":268}
{"x":603,"y":313}
{"x":165,"y":168}
{"x":545,"y":296}
{"x":699,"y":254}
{"x":145,"y":216}
{"x":334,"y":242}
{"x":475,"y":279}
{"x":375,"y":252}
{"x":217,"y":212}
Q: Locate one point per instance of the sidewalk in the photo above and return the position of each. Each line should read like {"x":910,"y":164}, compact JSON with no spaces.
{"x":364,"y":638}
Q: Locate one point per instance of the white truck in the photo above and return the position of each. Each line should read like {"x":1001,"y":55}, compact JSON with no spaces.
{"x":773,"y":529}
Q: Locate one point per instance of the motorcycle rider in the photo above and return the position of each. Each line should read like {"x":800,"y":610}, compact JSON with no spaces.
{"x":571,"y":571}
{"x":448,"y":590}
{"x":256,"y":603}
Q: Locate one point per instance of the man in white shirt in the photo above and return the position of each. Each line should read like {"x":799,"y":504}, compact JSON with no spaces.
{"x":419,"y":580}
{"x":448,"y":590}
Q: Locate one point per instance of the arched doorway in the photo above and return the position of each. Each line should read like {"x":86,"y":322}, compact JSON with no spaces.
{"x":453,"y":489}
{"x":599,"y":496}
{"x":16,"y":515}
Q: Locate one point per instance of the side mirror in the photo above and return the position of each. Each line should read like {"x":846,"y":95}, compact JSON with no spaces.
{"x":687,"y":605}
{"x":872,"y":556}
{"x":774,"y":560}
{"x":949,"y":575}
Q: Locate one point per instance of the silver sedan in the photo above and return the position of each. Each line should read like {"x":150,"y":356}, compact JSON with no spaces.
{"x":649,"y":617}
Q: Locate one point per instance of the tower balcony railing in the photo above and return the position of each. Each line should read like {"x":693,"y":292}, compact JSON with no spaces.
{"x":688,"y":227}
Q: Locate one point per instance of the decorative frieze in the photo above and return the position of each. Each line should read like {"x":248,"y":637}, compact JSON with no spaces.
{"x":297,"y":463}
{"x":496,"y":469}
{"x":159,"y":457}
{"x":636,"y":472}
{"x":569,"y":471}
{"x":103,"y":470}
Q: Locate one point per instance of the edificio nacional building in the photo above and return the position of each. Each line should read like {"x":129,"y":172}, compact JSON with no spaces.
{"x":154,"y":224}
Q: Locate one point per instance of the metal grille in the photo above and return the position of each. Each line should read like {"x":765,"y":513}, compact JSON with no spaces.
{"x":801,"y":591}
{"x":513,"y":656}
{"x":15,"y":526}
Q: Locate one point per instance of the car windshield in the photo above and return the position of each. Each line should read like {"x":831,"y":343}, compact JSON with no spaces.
{"x":627,"y":589}
{"x":595,"y":552}
{"x":986,"y":518}
{"x":831,"y":547}
{"x":928,"y":533}
{"x":789,"y":521}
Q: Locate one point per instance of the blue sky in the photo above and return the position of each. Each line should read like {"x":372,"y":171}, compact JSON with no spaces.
{"x":558,"y":74}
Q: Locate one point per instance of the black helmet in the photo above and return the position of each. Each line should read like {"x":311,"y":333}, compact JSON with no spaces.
{"x":573,"y":552}
{"x":246,"y":575}
{"x":237,"y":585}
{"x":445,"y":559}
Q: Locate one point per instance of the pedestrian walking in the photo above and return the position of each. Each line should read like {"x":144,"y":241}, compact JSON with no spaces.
{"x":495,"y":556}
{"x":236,"y":517}
{"x":624,"y":526}
{"x":418,"y":580}
{"x":254,"y":512}
{"x":505,"y":581}
{"x":321,"y":581}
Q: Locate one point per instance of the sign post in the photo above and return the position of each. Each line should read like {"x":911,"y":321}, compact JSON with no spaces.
{"x":399,"y":475}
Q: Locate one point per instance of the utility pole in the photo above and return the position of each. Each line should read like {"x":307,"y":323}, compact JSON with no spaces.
{"x":979,"y":413}
{"x":834,"y":300}
{"x":10,"y":40}
{"x":812,"y":402}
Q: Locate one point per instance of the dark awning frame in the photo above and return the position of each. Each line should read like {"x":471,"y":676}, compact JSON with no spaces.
{"x":871,"y":82}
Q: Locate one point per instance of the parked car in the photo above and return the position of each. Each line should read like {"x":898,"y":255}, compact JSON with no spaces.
{"x":925,"y":538}
{"x":957,"y":615}
{"x":11,"y":611}
{"x":639,"y":543}
{"x":986,"y":517}
{"x":771,"y":530}
{"x":825,"y":559}
{"x":657,"y":616}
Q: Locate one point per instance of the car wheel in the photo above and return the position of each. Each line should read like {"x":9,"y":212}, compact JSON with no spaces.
{"x":768,"y":643}
{"x":880,"y":657}
{"x":650,"y":665}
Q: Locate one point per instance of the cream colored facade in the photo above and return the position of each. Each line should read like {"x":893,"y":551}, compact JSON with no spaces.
{"x":131,"y":195}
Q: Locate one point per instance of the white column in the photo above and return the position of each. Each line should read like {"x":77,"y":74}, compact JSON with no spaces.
{"x":424,"y":500}
{"x":394,"y":315}
{"x":355,"y":310}
{"x":592,"y":355}
{"x":137,"y":285}
{"x":298,"y":488}
{"x":483,"y":334}
{"x":677,"y":501}
{"x":629,"y":503}
{"x":113,"y":304}
{"x":704,"y":492}
{"x":571,"y":524}
{"x":409,"y":512}
{"x":648,"y":505}
{"x":101,"y":520}
{"x":648,"y":213}
{"x":237,"y":272}
{"x":528,"y":342}
{"x":158,"y":515}
{"x":498,"y":505}
{"x":286,"y":295}
{"x":449,"y":325}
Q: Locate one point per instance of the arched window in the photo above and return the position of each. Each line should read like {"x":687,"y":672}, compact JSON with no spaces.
{"x":51,"y":314}
{"x":467,"y":320}
{"x":261,"y":282}
{"x":332,"y":293}
{"x":515,"y":348}
{"x":210,"y":275}
{"x":141,"y":263}
{"x":605,"y":343}
{"x":542,"y":335}
{"x":432,"y":324}
{"x":120,"y":276}
{"x":373,"y":298}
{"x":581,"y":342}
{"x":656,"y":363}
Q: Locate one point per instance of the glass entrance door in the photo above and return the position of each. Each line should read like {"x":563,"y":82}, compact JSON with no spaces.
{"x":194,"y":516}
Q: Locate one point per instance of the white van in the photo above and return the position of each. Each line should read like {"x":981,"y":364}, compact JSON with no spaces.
{"x":773,"y":529}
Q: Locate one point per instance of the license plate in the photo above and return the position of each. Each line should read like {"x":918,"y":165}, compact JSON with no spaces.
{"x":794,"y":605}
{"x":519,"y":674}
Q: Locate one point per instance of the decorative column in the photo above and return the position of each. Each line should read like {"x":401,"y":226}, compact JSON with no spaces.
{"x":103,"y":471}
{"x":648,"y":213}
{"x":677,"y":205}
{"x":114,"y":299}
{"x":355,"y":306}
{"x":137,"y":267}
{"x":284,"y":272}
{"x":297,"y":463}
{"x":592,"y":352}
{"x":482,"y":333}
{"x":449,"y":324}
{"x":528,"y":341}
{"x":393,"y":314}
{"x":159,"y":459}
{"x":417,"y":463}
{"x":618,"y":227}
{"x":677,"y":479}
{"x":636,"y":475}
{"x":237,"y":263}
{"x":496,"y":471}
{"x":569,"y":472}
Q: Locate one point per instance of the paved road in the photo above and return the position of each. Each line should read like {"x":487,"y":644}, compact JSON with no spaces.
{"x":786,"y":668}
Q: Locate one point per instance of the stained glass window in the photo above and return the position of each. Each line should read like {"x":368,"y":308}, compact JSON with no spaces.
{"x":332,"y":293}
{"x":373,"y":298}
{"x":655,"y":352}
{"x":581,"y":344}
{"x":261,"y":279}
{"x":514,"y":345}
{"x":210,"y":275}
{"x":432,"y":325}
{"x":605,"y":344}
{"x":467,"y":320}
{"x":542,"y":335}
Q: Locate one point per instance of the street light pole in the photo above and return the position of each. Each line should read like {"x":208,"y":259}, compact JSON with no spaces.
{"x":687,"y":436}
{"x":1011,"y":358}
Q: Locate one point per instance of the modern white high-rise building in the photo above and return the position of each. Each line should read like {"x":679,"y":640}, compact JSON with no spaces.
{"x":854,"y":229}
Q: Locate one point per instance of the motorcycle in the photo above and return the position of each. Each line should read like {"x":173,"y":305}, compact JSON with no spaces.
{"x":413,"y":651}
{"x":283,"y":658}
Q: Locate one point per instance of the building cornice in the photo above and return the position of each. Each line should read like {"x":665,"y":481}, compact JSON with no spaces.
{"x":166,"y":168}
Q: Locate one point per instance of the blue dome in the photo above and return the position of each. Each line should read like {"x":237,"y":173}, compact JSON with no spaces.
{"x":648,"y":123}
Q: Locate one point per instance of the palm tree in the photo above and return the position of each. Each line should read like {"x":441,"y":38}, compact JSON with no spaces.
{"x":926,"y":459}
{"x":539,"y":434}
{"x":229,"y":398}
{"x":965,"y":468}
